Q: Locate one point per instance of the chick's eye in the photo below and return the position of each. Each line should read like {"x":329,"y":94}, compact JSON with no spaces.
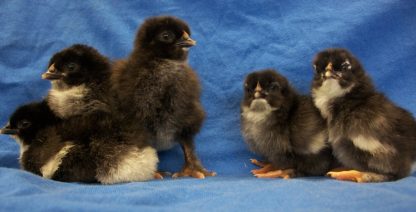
{"x":167,"y":36}
{"x":71,"y":66}
{"x":346,"y":65}
{"x":248,"y":88}
{"x":274,"y":86}
{"x":317,"y":69}
{"x":24,"y":124}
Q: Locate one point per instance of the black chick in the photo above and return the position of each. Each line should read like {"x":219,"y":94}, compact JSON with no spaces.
{"x":33,"y":126}
{"x":80,"y":76}
{"x":156,"y":88}
{"x":43,"y":151}
{"x":368,"y":133}
{"x":80,"y":84}
{"x":284,"y":127}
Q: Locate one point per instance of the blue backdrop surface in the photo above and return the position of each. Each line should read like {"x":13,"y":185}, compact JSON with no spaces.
{"x":234,"y":38}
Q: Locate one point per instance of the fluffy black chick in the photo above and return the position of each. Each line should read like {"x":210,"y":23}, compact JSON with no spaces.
{"x":374,"y":139}
{"x":80,"y":76}
{"x":156,"y":88}
{"x":284,"y":127}
{"x":43,"y":151}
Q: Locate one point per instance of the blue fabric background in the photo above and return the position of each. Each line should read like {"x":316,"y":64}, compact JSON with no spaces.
{"x":234,"y":38}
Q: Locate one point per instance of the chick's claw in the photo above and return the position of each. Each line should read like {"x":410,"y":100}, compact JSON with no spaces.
{"x":159,"y":175}
{"x":258,"y":163}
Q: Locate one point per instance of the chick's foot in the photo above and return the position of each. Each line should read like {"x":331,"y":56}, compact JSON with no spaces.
{"x":264,"y":167}
{"x":279,"y":173}
{"x":350,"y":175}
{"x":196,"y":172}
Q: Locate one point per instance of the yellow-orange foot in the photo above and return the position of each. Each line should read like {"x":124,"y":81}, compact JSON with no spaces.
{"x":265,"y":167}
{"x":280,"y":173}
{"x":194,"y":172}
{"x":350,"y":175}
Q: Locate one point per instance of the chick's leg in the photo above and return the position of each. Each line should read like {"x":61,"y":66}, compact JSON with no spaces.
{"x":192,"y":166}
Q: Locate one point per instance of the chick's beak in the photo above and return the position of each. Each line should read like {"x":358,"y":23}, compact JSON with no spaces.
{"x":51,"y":73}
{"x":329,"y":70}
{"x":186,"y":41}
{"x":257,"y":91}
{"x":7,"y":130}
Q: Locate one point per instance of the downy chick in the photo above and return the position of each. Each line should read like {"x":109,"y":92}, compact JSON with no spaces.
{"x":284,"y":127}
{"x":374,"y":139}
{"x":79,"y":76}
{"x":44,"y":152}
{"x":156,"y":88}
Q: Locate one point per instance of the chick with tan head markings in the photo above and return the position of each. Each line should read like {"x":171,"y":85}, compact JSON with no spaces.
{"x":284,"y":127}
{"x":374,"y":140}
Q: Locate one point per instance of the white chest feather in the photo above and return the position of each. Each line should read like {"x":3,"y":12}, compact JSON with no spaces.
{"x":255,"y":119}
{"x":49,"y":169}
{"x":258,"y":111}
{"x":323,"y":95}
{"x":253,"y":125}
{"x":23,"y":148}
{"x":63,"y":101}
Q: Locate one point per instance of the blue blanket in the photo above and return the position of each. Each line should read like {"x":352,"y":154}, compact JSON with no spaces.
{"x":234,"y":38}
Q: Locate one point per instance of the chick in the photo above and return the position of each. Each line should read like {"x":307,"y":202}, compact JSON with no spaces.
{"x":43,"y":151}
{"x":79,"y":95}
{"x":284,"y":127}
{"x":79,"y":76}
{"x":374,"y":139}
{"x":156,"y":88}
